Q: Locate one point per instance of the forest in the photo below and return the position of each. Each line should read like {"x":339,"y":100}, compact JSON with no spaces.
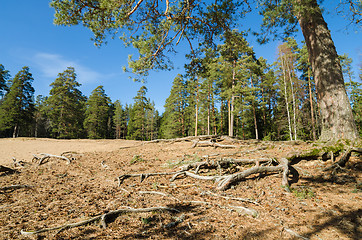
{"x":226,"y":91}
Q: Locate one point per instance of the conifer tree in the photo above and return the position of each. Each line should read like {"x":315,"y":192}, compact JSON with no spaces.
{"x":41,"y":121}
{"x":311,"y":126}
{"x":97,"y":114}
{"x":137,"y":119}
{"x":152,"y":122}
{"x":66,"y":105}
{"x":17,"y":109}
{"x":4,"y":77}
{"x":174,"y":122}
{"x":155,"y":31}
{"x":120,"y":120}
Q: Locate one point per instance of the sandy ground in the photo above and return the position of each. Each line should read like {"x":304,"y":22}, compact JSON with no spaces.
{"x":322,"y":205}
{"x":24,"y":148}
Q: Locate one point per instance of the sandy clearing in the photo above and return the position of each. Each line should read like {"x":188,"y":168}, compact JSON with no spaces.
{"x":24,"y":148}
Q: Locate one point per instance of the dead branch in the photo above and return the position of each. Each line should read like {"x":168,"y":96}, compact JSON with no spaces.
{"x":14,"y":187}
{"x":6,"y":169}
{"x":20,"y":164}
{"x":210,"y":144}
{"x":46,"y":156}
{"x":231,"y":198}
{"x":290,"y":231}
{"x":143,"y":176}
{"x":101,"y":217}
{"x":190,"y":139}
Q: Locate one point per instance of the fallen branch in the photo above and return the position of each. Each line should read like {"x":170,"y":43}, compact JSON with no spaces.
{"x":101,"y":217}
{"x":210,"y":144}
{"x":290,"y":231}
{"x":7,"y":170}
{"x":14,"y":187}
{"x":41,"y":160}
{"x":231,"y":198}
{"x":143,"y":176}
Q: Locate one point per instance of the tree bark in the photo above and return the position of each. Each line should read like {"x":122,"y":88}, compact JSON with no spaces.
{"x":336,"y":112}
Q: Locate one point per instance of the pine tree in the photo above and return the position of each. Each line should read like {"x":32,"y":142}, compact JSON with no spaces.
{"x":137,"y":118}
{"x":356,"y":101}
{"x":66,"y":105}
{"x":174,"y":122}
{"x":311,"y":126}
{"x":152,"y":122}
{"x":164,"y":29}
{"x":120,"y":120}
{"x":97,"y":114}
{"x":16,"y":111}
{"x":41,"y":121}
{"x":4,"y":77}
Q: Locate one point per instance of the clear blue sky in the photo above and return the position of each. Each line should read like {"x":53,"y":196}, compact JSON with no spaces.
{"x":29,"y":38}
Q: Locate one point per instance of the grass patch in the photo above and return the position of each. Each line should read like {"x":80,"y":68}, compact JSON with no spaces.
{"x":303,"y":192}
{"x":136,"y":159}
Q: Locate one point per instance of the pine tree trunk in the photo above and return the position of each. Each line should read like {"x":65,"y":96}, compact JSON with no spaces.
{"x":311,"y":107}
{"x":254,"y":113}
{"x":208,"y":111}
{"x":15,"y":132}
{"x":286,"y":98}
{"x":197,"y":107}
{"x":293,"y":99}
{"x":336,"y":112}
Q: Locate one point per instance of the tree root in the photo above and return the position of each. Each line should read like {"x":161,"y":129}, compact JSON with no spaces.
{"x":240,"y":209}
{"x":344,"y":158}
{"x":46,"y":156}
{"x":14,"y":187}
{"x":142,"y":176}
{"x":224,"y":181}
{"x":7,"y":170}
{"x":101,"y":217}
{"x":210,"y":144}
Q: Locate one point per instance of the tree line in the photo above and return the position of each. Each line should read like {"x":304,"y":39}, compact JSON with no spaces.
{"x":225,"y":90}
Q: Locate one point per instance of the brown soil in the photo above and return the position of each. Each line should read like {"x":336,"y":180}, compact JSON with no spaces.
{"x":321,"y":205}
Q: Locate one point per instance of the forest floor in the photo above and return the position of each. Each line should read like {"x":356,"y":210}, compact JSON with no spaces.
{"x":321,"y":205}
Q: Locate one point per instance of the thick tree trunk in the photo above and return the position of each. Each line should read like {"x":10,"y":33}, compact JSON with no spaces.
{"x":336,"y":112}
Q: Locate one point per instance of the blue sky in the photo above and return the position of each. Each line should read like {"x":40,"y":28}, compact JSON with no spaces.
{"x":29,"y":38}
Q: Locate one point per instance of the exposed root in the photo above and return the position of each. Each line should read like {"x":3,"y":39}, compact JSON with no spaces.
{"x":210,"y":144}
{"x":14,"y":187}
{"x":7,"y":170}
{"x":101,"y":217}
{"x":143,"y":176}
{"x":46,"y":156}
{"x":344,"y":158}
{"x":240,"y":209}
{"x":231,"y":198}
{"x":225,"y":181}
